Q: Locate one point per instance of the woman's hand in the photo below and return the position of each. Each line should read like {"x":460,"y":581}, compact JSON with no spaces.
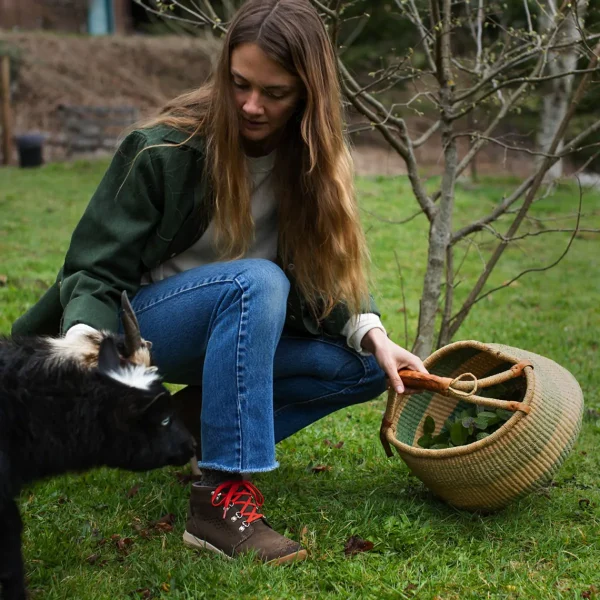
{"x":391,"y":357}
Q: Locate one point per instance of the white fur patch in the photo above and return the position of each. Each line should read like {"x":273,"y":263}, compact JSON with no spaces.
{"x":135,"y":376}
{"x":80,"y":348}
{"x":83,"y":345}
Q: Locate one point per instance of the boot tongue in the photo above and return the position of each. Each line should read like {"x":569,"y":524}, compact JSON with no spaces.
{"x":241,"y":494}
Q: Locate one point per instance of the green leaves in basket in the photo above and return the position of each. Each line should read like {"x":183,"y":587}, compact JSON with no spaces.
{"x":459,"y":433}
{"x":470,"y":425}
{"x":429,"y":425}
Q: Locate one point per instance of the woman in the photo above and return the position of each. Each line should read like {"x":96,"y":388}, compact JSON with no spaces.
{"x":232,"y":223}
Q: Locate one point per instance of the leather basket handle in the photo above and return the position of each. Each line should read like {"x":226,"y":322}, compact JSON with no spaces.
{"x":465,"y":386}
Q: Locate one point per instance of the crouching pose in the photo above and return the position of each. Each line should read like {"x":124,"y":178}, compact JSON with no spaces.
{"x":71,"y":407}
{"x":231,"y":221}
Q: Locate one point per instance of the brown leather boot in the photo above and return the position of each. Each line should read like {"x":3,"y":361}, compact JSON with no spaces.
{"x":225,"y":520}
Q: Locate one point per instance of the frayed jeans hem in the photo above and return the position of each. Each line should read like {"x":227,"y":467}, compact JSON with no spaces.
{"x":216,"y":467}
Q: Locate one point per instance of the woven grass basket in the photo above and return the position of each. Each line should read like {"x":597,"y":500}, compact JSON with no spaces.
{"x":516,"y":459}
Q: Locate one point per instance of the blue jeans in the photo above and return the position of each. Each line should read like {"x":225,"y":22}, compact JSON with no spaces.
{"x":220,"y":326}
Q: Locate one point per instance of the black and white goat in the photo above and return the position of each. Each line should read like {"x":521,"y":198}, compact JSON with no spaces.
{"x":64,"y":409}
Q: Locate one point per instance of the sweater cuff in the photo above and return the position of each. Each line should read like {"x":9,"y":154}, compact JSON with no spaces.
{"x":356,"y":328}
{"x":78,"y":330}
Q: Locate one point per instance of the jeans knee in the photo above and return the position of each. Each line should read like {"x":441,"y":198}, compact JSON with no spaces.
{"x":266,"y":283}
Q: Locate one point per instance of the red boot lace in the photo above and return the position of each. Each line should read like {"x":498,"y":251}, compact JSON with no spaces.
{"x":240,"y":493}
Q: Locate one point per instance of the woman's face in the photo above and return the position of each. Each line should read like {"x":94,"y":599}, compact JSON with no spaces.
{"x":265,"y":94}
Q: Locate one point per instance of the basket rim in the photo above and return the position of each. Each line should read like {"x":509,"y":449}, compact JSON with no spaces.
{"x":474,"y":446}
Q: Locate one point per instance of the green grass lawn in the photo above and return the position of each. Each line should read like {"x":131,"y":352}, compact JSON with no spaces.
{"x":544,"y":546}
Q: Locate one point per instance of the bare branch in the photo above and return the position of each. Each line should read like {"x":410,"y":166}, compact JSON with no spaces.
{"x":392,"y":221}
{"x":493,"y":140}
{"x":538,"y":269}
{"x":496,"y":213}
{"x":516,"y":80}
{"x":527,"y":13}
{"x":421,"y":140}
{"x":403,"y":300}
{"x":211,"y":11}
{"x":404,"y":147}
{"x":199,"y":17}
{"x":415,"y":18}
{"x":544,"y":231}
{"x":506,"y":106}
{"x":324,"y":9}
{"x":545,"y":165}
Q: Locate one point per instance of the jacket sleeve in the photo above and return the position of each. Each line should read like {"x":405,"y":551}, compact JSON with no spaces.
{"x":104,"y":257}
{"x":339,"y":316}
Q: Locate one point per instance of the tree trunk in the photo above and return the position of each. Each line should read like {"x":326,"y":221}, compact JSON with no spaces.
{"x":440,"y":228}
{"x":558,"y":91}
{"x":440,"y":231}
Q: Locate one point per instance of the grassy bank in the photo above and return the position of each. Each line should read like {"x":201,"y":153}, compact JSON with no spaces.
{"x":544,"y":546}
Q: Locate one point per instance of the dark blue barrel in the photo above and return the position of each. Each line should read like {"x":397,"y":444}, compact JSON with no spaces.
{"x":30,"y":147}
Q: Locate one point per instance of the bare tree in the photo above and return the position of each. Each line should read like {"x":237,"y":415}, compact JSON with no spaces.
{"x":567,"y":27}
{"x":492,"y":74}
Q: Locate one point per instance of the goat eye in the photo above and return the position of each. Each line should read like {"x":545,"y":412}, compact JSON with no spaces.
{"x":165,"y":421}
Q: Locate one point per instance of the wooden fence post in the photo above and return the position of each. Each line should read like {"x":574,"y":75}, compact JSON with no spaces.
{"x":6,"y":112}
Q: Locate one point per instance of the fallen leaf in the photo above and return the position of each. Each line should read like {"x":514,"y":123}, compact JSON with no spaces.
{"x":332,"y":445}
{"x":92,"y":559}
{"x":356,"y":544}
{"x":3,"y":280}
{"x":133,"y":491}
{"x":143,"y":592}
{"x":165,"y":587}
{"x":123,"y":544}
{"x":169,"y":519}
{"x":165,"y":523}
{"x":320,"y":468}
{"x":304,"y":536}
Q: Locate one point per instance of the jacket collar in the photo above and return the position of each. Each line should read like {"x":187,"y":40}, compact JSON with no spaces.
{"x":177,"y":136}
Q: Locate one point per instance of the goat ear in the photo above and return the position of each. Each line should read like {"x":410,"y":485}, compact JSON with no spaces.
{"x":137,"y":407}
{"x":160,"y":398}
{"x":108,"y":356}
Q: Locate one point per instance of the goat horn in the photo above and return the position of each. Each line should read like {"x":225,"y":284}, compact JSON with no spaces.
{"x":133,"y":337}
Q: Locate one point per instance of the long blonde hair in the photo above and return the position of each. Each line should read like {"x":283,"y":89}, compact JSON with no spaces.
{"x":319,"y":227}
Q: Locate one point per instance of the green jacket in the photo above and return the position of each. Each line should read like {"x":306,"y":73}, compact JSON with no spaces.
{"x":144,"y":211}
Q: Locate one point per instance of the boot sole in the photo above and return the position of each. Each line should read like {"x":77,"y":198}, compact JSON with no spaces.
{"x":193,"y":542}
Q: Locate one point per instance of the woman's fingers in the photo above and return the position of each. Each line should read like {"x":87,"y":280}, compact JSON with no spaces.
{"x":391,"y":370}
